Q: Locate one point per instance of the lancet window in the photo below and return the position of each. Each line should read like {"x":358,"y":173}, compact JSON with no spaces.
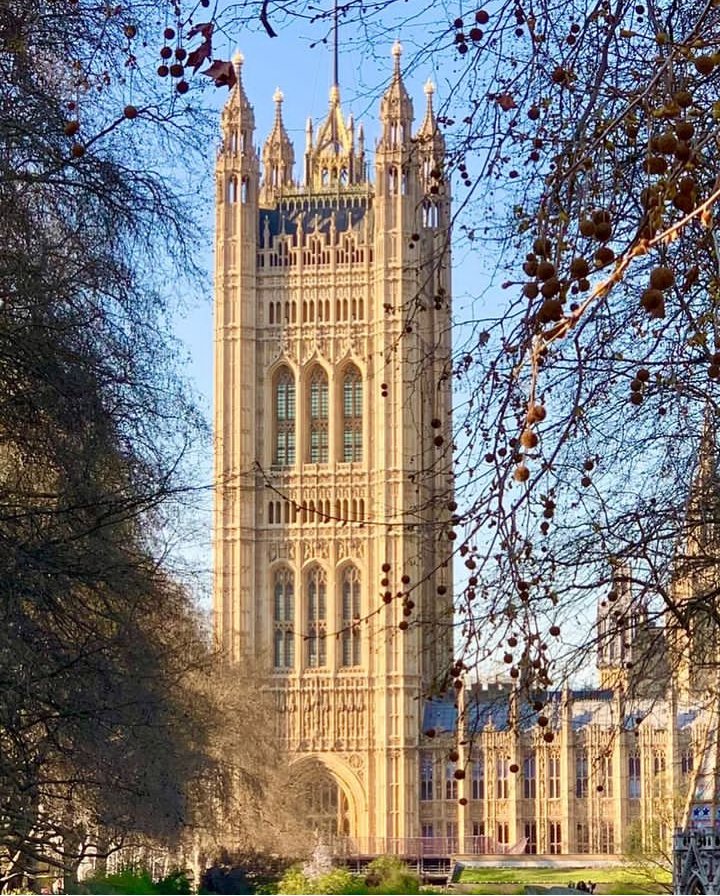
{"x":284,"y":418}
{"x":352,"y":415}
{"x":283,"y":616}
{"x":478,"y":778}
{"x":529,"y":777}
{"x":316,"y":590}
{"x":318,"y":416}
{"x":351,"y":617}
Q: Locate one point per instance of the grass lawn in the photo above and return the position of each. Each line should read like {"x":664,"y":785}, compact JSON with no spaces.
{"x":514,"y":880}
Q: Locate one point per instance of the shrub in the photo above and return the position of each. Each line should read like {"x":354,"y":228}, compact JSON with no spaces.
{"x":336,"y":881}
{"x":388,"y":874}
{"x":136,"y":880}
{"x":246,"y":871}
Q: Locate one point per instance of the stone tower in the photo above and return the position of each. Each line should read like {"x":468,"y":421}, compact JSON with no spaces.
{"x":693,"y":625}
{"x":333,"y":444}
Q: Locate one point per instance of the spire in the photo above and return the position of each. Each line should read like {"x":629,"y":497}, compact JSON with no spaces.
{"x":278,"y":155}
{"x":237,"y":122}
{"x":237,"y":104}
{"x":331,"y":159}
{"x":703,"y":507}
{"x":396,"y":111}
{"x":707,"y":455}
{"x":428,"y":134}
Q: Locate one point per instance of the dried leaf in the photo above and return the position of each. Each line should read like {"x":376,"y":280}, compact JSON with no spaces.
{"x":197,"y":57}
{"x":204,"y":28}
{"x":223,"y":73}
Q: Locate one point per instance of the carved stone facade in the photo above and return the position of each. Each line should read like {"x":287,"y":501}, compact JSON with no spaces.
{"x":333,"y":441}
{"x":334,"y":504}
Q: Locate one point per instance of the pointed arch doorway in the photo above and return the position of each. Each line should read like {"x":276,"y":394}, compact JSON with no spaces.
{"x":334,"y":797}
{"x":325,"y":802}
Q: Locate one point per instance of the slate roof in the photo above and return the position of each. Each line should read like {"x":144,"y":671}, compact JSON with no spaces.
{"x":491,"y":708}
{"x":309,"y":218}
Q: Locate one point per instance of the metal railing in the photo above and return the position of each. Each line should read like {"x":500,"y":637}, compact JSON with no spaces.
{"x":418,"y":847}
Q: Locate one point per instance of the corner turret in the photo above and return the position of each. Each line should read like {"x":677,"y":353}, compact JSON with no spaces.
{"x":396,"y":109}
{"x":278,"y":155}
{"x":237,"y":169}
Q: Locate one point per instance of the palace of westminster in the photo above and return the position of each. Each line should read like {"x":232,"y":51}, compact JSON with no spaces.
{"x":333,"y":472}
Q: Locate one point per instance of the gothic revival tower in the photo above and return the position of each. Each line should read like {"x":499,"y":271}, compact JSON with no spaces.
{"x":694,"y":623}
{"x":333,"y":444}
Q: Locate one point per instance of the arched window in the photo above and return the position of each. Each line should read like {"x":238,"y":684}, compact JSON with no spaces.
{"x":284,"y":418}
{"x":318,"y":395}
{"x":352,"y":415}
{"x":351,"y":617}
{"x":316,"y":589}
{"x":283,"y":616}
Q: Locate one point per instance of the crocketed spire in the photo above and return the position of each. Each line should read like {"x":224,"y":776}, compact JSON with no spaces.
{"x":238,"y":106}
{"x":278,"y":156}
{"x":331,"y":158}
{"x":396,"y":109}
{"x":428,"y":134}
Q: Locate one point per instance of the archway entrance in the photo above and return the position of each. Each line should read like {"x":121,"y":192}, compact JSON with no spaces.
{"x":324,"y":802}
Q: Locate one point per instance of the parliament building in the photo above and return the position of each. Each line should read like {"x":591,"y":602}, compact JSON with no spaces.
{"x":333,"y":466}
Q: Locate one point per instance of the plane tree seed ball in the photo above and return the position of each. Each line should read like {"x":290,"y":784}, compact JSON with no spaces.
{"x":704,"y":65}
{"x":522,"y":473}
{"x":545,"y":270}
{"x":536,"y":413}
{"x":661,"y":278}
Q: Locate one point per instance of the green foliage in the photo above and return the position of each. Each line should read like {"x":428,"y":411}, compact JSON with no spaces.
{"x":246,"y":871}
{"x":388,"y":874}
{"x":385,"y":874}
{"x":336,"y":881}
{"x":137,"y":880}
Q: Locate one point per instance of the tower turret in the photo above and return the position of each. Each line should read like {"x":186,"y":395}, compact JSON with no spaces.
{"x":237,"y":166}
{"x":631,"y":650}
{"x":236,"y":228}
{"x":692,"y":621}
{"x":431,"y":154}
{"x":396,"y":109}
{"x":278,"y":155}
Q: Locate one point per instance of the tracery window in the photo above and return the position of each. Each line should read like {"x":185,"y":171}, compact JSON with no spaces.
{"x":607,"y":837}
{"x":316,"y":590}
{"x":582,"y":837}
{"x":451,"y":782}
{"x":283,"y":616}
{"x":352,"y":415}
{"x":502,"y":767}
{"x":351,"y":617}
{"x":529,"y":777}
{"x":555,"y":838}
{"x":318,"y":416}
{"x":606,"y":775}
{"x":581,"y":773}
{"x":531,"y":845}
{"x":478,"y":779}
{"x":284,"y":454}
{"x":553,"y":764}
{"x":687,"y":762}
{"x":426,"y":777}
{"x":634,"y":779}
